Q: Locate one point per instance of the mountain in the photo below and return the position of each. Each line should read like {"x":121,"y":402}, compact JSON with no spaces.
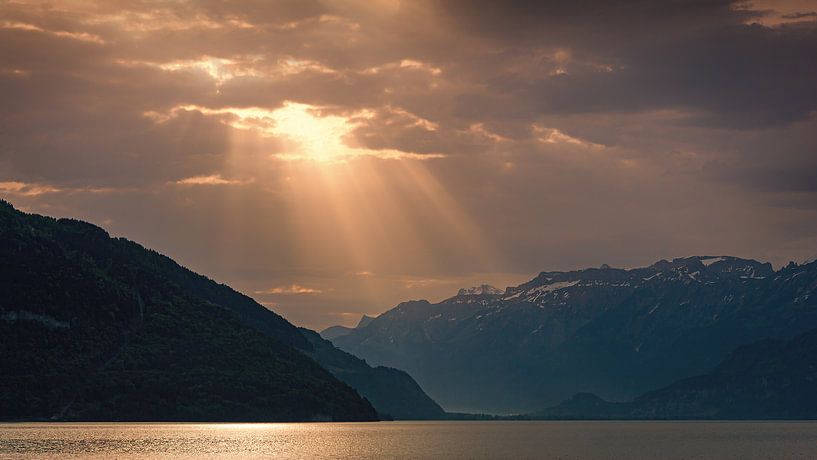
{"x":613,"y":332}
{"x":365,"y":320}
{"x":485,"y":289}
{"x":100,"y":328}
{"x":586,"y":406}
{"x":333,"y":332}
{"x":768,"y":379}
{"x":393,"y":392}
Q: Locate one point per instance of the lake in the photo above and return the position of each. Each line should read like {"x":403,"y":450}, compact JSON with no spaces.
{"x":473,"y":439}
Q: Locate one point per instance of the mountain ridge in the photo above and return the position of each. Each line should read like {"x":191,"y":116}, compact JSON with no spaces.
{"x":333,"y":332}
{"x":633,"y":330}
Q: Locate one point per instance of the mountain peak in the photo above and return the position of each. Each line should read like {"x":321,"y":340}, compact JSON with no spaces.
{"x":722,"y":265}
{"x":364,"y":321}
{"x":729,"y":265}
{"x":484,"y":289}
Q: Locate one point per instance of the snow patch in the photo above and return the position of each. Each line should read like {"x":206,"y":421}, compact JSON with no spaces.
{"x":485,"y":289}
{"x":553,"y":287}
{"x":711,"y":260}
{"x":514,"y":296}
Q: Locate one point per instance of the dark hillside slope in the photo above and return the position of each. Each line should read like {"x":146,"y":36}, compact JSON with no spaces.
{"x":391,"y":391}
{"x":768,"y":379}
{"x":99,"y":328}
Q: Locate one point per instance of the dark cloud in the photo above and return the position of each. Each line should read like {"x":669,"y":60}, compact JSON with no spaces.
{"x":780,"y":161}
{"x":800,"y":15}
{"x":630,"y":56}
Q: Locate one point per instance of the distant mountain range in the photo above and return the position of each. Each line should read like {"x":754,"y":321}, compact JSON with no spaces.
{"x":611,"y":332}
{"x":100,"y":328}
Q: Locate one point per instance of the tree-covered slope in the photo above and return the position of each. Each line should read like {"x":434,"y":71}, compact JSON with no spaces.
{"x":99,"y":328}
{"x":391,"y":391}
{"x":768,"y":379}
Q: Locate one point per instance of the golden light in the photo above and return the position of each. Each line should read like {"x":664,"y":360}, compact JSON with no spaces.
{"x":318,"y":138}
{"x":322,"y":138}
{"x":343,"y":208}
{"x":307,"y":134}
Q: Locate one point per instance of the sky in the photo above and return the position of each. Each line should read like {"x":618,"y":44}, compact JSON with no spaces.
{"x":333,"y":158}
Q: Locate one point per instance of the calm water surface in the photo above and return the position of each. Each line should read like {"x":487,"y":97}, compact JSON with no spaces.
{"x":630,"y":440}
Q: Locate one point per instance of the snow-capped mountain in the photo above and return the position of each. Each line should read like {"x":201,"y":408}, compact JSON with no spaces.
{"x":485,"y":289}
{"x":609,"y":331}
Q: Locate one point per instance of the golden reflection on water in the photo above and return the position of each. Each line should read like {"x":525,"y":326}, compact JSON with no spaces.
{"x":247,"y":426}
{"x":744,"y":440}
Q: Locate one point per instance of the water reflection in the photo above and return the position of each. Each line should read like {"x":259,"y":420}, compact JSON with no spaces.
{"x":411,"y":440}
